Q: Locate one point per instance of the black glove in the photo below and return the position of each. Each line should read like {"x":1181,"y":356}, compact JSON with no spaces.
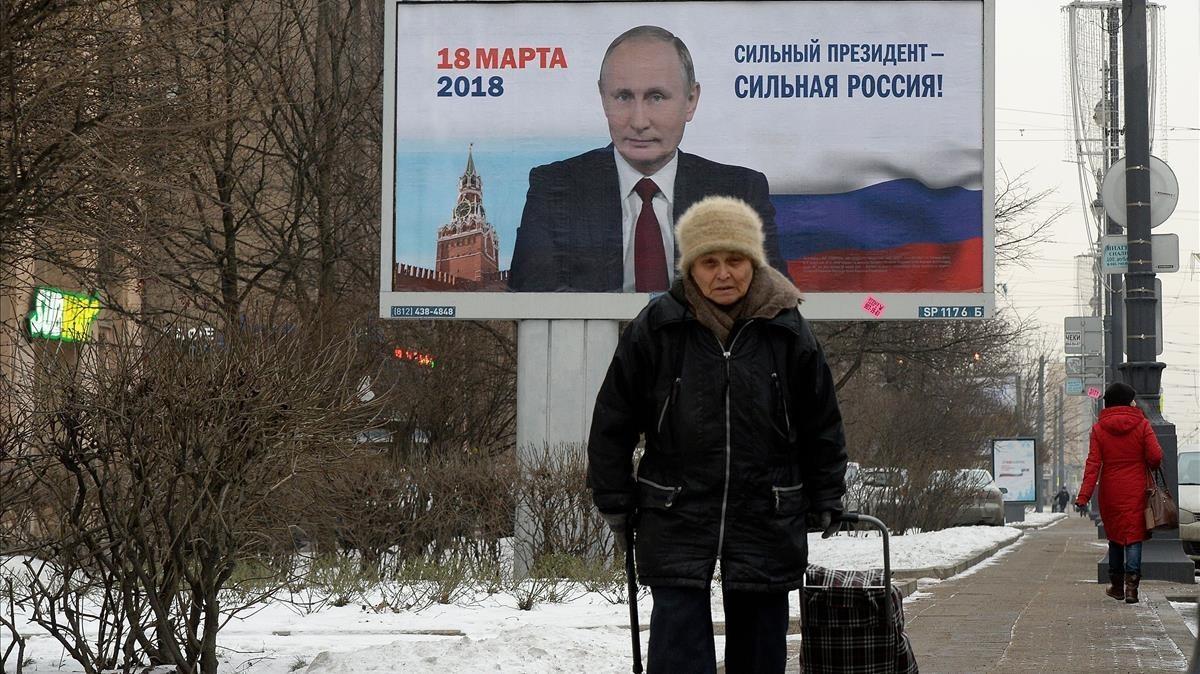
{"x":827,"y":522}
{"x":619,"y":524}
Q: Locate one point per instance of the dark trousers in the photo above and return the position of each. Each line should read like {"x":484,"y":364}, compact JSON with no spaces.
{"x":681,"y":632}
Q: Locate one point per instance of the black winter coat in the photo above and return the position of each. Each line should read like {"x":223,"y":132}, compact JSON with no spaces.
{"x":741,"y":442}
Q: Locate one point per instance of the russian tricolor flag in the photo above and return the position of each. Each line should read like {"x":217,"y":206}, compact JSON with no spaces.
{"x":893,"y":236}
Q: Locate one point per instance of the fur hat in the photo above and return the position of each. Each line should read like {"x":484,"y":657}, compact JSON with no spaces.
{"x":719,"y":224}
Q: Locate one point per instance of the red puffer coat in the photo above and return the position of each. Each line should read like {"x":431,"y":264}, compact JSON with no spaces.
{"x":1123,"y":446}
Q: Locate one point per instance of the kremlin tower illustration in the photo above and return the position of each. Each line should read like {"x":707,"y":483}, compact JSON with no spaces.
{"x":468,"y":250}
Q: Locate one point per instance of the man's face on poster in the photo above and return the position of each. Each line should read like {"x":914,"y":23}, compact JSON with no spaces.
{"x":647,"y":101}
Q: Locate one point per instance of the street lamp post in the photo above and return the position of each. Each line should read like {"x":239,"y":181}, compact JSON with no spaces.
{"x":1039,"y":451}
{"x":1162,"y":556}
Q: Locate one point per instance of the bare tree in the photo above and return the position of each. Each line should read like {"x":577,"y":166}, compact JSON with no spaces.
{"x":325,"y":137}
{"x":1019,"y":227}
{"x":256,"y":186}
{"x":467,"y":400}
{"x":68,"y":92}
{"x":157,"y":467}
{"x":922,"y":416}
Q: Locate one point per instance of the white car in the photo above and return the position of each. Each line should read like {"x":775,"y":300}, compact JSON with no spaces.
{"x":986,"y":504}
{"x":1189,"y":500}
{"x":874,"y":490}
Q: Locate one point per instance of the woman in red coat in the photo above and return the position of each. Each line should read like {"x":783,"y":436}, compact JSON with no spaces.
{"x":1123,"y":450}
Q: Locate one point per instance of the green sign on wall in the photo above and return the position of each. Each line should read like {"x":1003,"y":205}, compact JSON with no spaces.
{"x":61,"y":315}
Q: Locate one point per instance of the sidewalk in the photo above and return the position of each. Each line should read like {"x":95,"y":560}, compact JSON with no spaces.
{"x":1036,"y":607}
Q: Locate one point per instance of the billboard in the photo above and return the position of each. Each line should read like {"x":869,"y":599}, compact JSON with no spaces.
{"x":859,"y":131}
{"x":1013,"y":464}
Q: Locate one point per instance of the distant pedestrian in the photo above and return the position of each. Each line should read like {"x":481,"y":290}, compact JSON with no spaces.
{"x":744,"y":445}
{"x":1060,"y":500}
{"x":1123,"y":451}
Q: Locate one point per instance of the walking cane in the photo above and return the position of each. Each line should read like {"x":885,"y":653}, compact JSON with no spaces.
{"x":634,"y":629}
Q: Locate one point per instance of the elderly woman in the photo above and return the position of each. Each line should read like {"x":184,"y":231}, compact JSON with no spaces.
{"x":744,"y":445}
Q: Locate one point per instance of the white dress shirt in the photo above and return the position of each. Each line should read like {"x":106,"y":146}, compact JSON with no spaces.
{"x":631,"y":207}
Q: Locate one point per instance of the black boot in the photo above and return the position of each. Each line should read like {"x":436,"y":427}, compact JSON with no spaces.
{"x":1131,"y":587}
{"x":1116,"y":588}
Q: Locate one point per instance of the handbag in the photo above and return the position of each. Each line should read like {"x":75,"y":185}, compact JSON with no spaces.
{"x":1161,"y":511}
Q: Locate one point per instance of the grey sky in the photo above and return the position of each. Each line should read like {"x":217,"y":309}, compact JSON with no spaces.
{"x":1031,"y":123}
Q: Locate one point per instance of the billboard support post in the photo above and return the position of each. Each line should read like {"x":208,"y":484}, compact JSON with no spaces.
{"x":560,"y":366}
{"x":1014,"y":512}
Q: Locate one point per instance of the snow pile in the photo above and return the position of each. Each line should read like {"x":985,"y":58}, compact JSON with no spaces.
{"x":1036,"y":520}
{"x":909,"y":552}
{"x":527,"y":648}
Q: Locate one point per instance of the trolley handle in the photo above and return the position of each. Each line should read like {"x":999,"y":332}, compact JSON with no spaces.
{"x":860,"y":518}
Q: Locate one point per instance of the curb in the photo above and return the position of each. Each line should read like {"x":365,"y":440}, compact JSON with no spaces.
{"x":1177,"y":629}
{"x":906,"y":586}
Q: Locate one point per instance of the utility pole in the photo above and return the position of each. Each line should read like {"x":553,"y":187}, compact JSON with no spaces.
{"x":1114,"y":314}
{"x":1062,"y":441}
{"x":1162,"y":556}
{"x":1039,"y":450}
{"x":1052,"y":486}
{"x":1020,"y":405}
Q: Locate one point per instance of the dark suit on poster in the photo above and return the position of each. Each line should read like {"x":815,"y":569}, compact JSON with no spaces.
{"x":570,"y":238}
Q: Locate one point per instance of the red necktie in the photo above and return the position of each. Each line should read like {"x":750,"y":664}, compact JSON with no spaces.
{"x":649,"y":257}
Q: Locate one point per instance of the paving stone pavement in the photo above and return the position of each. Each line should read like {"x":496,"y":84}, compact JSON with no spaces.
{"x":1035,"y":607}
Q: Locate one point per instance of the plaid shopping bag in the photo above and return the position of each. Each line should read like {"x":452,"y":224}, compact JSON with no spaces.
{"x":846,"y":625}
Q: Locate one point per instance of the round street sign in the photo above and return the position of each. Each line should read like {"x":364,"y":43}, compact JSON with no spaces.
{"x":1164,"y":192}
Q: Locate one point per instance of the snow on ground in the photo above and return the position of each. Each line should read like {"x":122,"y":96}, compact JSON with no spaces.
{"x":1036,"y":520}
{"x":487,"y":633}
{"x":1043,"y":518}
{"x":911,"y":551}
{"x":491,"y":635}
{"x":1187,"y":610}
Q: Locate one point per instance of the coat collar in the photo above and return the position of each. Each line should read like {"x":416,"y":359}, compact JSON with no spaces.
{"x":671,"y":307}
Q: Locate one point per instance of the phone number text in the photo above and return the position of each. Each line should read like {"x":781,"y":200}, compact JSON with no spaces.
{"x":422,"y":312}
